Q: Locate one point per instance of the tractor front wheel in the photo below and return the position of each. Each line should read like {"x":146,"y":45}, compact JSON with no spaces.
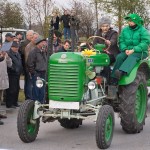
{"x":27,"y":126}
{"x":105,"y":126}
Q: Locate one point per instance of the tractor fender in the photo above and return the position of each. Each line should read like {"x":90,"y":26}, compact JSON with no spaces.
{"x":142,"y":66}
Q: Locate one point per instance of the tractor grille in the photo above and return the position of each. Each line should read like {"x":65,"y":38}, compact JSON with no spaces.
{"x":63,"y":82}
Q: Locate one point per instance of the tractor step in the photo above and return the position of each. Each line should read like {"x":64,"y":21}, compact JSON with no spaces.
{"x":112,"y":92}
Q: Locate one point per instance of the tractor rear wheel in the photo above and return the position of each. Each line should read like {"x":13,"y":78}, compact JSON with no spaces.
{"x":133,"y":106}
{"x":70,"y":123}
{"x":105,"y":126}
{"x":27,"y":126}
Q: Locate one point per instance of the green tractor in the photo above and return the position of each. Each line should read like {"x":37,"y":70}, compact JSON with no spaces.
{"x":76,"y":91}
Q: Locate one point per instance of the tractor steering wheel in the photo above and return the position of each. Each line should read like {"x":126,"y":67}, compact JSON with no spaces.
{"x":93,"y":37}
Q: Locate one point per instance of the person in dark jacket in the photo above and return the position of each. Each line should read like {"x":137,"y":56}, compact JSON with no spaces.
{"x":37,"y":66}
{"x":65,"y":20}
{"x":111,"y":37}
{"x":14,"y":76}
{"x":65,"y":47}
{"x":133,"y":43}
{"x":74,"y":27}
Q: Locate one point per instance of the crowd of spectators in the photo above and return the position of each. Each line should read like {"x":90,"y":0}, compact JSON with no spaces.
{"x":29,"y":57}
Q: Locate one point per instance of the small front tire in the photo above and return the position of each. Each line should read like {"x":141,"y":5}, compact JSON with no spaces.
{"x":105,"y":127}
{"x":27,"y":126}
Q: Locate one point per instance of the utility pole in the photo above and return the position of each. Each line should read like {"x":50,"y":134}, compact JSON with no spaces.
{"x":1,"y":40}
{"x":45,"y":13}
{"x":96,"y":12}
{"x":119,"y":16}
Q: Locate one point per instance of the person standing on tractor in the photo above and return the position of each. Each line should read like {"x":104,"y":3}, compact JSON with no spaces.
{"x":74,"y":27}
{"x":133,"y":43}
{"x":111,"y":36}
{"x":65,"y":20}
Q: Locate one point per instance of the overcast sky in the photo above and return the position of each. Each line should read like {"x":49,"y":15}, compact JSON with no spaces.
{"x":60,"y":3}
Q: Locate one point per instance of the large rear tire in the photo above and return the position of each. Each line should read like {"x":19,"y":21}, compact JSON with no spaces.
{"x":133,"y":106}
{"x":105,"y":127}
{"x":27,"y":127}
{"x":70,"y":124}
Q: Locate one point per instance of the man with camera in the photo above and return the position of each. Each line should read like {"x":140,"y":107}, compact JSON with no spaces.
{"x":74,"y":27}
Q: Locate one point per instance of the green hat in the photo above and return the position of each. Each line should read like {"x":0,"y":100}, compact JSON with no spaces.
{"x":135,"y":18}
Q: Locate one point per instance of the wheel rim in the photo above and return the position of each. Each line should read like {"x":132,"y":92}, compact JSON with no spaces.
{"x":140,"y":103}
{"x":31,"y":124}
{"x":108,"y":128}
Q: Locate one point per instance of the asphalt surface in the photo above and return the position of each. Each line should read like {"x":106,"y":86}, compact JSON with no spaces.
{"x":52,"y":136}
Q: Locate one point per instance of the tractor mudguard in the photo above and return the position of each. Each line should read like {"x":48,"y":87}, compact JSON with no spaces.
{"x":143,"y":65}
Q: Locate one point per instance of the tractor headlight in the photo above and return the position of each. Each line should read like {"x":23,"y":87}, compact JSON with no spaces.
{"x":91,"y":85}
{"x":39,"y":83}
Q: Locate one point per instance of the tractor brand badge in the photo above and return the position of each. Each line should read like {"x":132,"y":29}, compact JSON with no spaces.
{"x":63,"y":56}
{"x":63,"y":59}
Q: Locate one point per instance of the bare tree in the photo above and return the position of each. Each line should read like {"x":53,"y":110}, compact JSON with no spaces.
{"x":85,"y":13}
{"x":38,"y":11}
{"x":29,"y":13}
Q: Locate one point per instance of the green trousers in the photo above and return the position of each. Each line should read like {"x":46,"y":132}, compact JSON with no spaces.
{"x":126,"y":63}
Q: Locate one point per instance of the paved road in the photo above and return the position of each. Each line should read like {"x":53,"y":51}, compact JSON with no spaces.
{"x":53,"y":137}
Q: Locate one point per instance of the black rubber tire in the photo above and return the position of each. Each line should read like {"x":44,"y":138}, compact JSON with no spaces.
{"x":104,"y":113}
{"x":70,"y":124}
{"x":23,"y":121}
{"x":127,"y":96}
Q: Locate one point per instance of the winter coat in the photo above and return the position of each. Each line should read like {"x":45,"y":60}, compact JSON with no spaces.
{"x":65,"y":19}
{"x":23,"y":45}
{"x":61,"y":49}
{"x":112,"y":36}
{"x":74,"y":22}
{"x":37,"y":61}
{"x":16,"y":68}
{"x":4,"y":83}
{"x":137,"y":39}
{"x":55,"y":22}
{"x":27,"y":50}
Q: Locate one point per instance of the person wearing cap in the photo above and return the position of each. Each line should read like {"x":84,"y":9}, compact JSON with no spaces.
{"x":106,"y":31}
{"x":14,"y":76}
{"x":133,"y":43}
{"x":8,"y":42}
{"x":37,"y":66}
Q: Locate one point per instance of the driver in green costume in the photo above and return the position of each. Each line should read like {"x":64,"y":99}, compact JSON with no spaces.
{"x":133,"y":43}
